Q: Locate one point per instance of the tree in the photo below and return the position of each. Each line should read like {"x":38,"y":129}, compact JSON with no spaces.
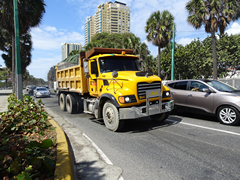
{"x":52,"y":74}
{"x":159,"y":30}
{"x":25,"y":50}
{"x":195,"y":59}
{"x":228,"y":49}
{"x":214,"y":15}
{"x":74,"y":52}
{"x":29,"y":14}
{"x":122,"y":41}
{"x":151,"y":64}
{"x":5,"y":75}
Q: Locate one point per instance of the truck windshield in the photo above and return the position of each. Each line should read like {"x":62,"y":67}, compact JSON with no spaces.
{"x":109,"y":64}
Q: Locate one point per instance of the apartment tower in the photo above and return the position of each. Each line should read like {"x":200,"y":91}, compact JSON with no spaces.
{"x":68,"y":47}
{"x":110,"y":18}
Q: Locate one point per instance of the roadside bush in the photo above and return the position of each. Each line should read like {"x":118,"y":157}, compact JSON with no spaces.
{"x":28,"y":141}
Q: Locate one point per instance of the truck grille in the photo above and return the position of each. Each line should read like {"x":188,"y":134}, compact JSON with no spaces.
{"x":144,"y":86}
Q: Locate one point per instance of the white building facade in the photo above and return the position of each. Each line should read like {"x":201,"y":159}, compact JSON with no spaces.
{"x":110,"y":18}
{"x":68,"y":47}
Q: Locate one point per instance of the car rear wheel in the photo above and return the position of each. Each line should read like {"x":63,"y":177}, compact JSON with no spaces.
{"x":160,"y":117}
{"x":228,"y":115}
{"x":111,"y":117}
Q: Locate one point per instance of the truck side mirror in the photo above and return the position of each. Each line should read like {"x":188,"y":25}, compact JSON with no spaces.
{"x":87,"y":75}
{"x":163,"y":73}
{"x":86,"y":69}
{"x":85,"y":66}
{"x":115,"y":74}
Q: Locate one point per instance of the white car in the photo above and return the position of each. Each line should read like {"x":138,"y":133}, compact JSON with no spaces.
{"x":41,"y":92}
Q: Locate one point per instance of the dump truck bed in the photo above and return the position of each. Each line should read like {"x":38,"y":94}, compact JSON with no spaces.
{"x":70,"y":76}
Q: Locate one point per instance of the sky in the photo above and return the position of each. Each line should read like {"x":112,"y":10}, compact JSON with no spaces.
{"x":64,"y":21}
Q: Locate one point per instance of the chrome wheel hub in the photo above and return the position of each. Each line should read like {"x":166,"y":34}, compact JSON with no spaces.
{"x":109,"y":115}
{"x":227,"y":115}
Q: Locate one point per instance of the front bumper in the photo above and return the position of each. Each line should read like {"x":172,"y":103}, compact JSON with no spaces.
{"x":143,"y":111}
{"x":42,"y":95}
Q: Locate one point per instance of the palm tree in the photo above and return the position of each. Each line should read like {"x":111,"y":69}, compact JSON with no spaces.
{"x":159,"y":31}
{"x":74,"y":52}
{"x":214,"y":15}
{"x":30,"y":14}
{"x":151,"y":63}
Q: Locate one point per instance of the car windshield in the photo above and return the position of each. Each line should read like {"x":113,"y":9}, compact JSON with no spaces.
{"x":109,"y":64}
{"x":41,"y":89}
{"x":220,"y":86}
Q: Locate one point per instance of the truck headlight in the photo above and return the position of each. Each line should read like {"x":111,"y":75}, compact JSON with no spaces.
{"x":127,"y":99}
{"x":166,"y":94}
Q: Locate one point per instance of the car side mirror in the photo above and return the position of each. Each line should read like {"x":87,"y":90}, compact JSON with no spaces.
{"x":206,"y":90}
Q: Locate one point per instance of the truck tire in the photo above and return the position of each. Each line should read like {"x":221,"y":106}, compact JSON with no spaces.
{"x":71,"y":104}
{"x":111,"y":117}
{"x":79,"y":103}
{"x":62,"y":101}
{"x":160,"y":117}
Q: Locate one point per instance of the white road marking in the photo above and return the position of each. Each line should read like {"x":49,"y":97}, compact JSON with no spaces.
{"x":104,"y":157}
{"x":203,"y":127}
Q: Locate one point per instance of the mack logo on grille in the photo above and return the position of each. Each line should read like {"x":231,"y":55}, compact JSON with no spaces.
{"x":142,"y":87}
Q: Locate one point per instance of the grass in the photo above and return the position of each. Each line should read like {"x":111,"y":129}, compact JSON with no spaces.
{"x":28,"y":148}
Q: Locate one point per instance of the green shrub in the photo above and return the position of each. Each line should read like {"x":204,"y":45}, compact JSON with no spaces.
{"x":26,"y":151}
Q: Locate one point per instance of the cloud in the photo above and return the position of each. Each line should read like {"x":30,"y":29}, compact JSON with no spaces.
{"x":185,"y":41}
{"x":47,"y":48}
{"x":49,"y":38}
{"x":235,"y":29}
{"x":41,"y":65}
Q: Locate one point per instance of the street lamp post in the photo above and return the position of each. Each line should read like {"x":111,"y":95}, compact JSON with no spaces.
{"x":17,"y":52}
{"x":173,"y":46}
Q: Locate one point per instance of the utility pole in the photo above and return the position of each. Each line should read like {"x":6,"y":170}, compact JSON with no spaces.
{"x":17,"y":52}
{"x":173,"y":46}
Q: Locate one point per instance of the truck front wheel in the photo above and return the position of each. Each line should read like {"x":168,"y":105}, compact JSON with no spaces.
{"x":111,"y":117}
{"x":62,"y":101}
{"x":160,"y":117}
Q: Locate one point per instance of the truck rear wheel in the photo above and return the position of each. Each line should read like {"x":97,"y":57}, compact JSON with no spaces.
{"x":160,"y":117}
{"x":71,"y":104}
{"x":79,"y":103}
{"x":62,"y":101}
{"x":111,"y":117}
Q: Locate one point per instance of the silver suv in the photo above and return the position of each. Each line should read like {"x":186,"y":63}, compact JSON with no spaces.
{"x":208,"y":96}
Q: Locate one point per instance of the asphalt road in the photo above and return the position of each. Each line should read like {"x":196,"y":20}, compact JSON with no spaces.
{"x":181,"y":148}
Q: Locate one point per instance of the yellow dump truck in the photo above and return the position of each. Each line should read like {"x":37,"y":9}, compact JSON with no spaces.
{"x":107,"y":83}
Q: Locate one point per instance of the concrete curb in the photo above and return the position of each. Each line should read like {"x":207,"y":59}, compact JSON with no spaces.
{"x":64,"y":166}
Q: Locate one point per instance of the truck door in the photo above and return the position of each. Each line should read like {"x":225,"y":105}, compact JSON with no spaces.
{"x":93,"y":79}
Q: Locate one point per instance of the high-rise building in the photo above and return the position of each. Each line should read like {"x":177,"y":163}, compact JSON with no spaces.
{"x":89,"y":28}
{"x":68,"y":47}
{"x":110,"y":18}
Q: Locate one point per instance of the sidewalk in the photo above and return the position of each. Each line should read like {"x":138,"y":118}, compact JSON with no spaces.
{"x":77,"y":158}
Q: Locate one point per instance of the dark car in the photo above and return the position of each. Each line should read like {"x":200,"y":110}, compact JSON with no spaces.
{"x":31,"y":89}
{"x":207,"y":96}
